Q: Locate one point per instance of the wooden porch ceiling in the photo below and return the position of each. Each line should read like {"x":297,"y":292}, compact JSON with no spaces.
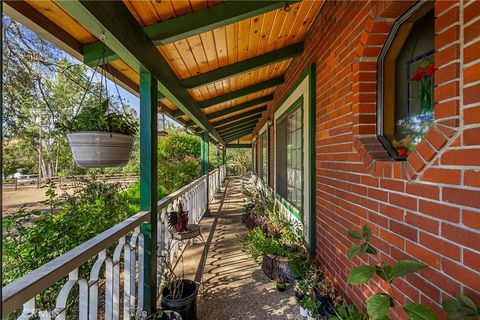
{"x":226,"y":57}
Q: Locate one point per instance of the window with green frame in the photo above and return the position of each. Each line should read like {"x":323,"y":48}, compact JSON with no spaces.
{"x":289,"y":156}
{"x":263,"y":156}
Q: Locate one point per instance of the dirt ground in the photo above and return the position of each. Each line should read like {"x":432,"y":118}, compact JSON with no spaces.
{"x":31,"y":197}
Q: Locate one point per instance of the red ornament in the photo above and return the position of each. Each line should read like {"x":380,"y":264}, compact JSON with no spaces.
{"x":419,"y":75}
{"x":402,"y":152}
{"x":430,"y":70}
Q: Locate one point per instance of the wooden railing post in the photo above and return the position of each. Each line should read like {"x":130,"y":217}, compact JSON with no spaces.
{"x":148,"y":184}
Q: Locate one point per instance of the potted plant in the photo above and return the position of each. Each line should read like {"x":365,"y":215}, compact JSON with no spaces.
{"x":281,"y":285}
{"x":178,"y":220}
{"x":101,"y":136}
{"x":303,"y":306}
{"x":348,"y":313}
{"x":312,"y":306}
{"x":323,"y":292}
{"x":179,"y":295}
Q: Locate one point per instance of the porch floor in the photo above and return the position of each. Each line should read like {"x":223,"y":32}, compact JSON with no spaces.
{"x":233,"y":287}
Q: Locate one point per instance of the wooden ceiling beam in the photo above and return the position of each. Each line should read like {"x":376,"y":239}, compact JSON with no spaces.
{"x":126,"y":38}
{"x":233,"y":131}
{"x":244,"y":66}
{"x":238,"y":125}
{"x":237,"y":122}
{"x":239,"y":116}
{"x":239,"y":145}
{"x":238,"y":134}
{"x":194,"y":23}
{"x":242,"y":92}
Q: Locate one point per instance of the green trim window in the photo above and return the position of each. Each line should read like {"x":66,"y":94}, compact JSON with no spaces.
{"x":289,"y":155}
{"x":263,"y":157}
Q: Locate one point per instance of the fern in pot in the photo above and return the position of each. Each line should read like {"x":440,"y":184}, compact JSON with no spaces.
{"x":101,"y":136}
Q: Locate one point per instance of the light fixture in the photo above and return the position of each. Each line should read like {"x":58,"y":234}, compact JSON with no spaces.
{"x":269,"y":123}
{"x":161,"y":125}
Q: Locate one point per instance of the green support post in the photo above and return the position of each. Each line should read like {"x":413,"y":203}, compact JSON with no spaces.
{"x":205,"y":169}
{"x":148,"y":184}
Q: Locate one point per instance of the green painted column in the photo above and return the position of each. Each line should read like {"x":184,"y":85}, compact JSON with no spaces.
{"x":204,"y":160}
{"x":148,"y":184}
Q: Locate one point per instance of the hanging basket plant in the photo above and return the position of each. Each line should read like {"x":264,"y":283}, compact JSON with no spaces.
{"x":100,"y":134}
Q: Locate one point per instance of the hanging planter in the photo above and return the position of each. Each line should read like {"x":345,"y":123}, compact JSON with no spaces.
{"x":101,"y":134}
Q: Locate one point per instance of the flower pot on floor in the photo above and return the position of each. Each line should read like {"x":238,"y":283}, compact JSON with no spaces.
{"x":98,"y":149}
{"x":276,"y":267}
{"x":303,"y":312}
{"x":325,"y":302}
{"x":186,"y":305}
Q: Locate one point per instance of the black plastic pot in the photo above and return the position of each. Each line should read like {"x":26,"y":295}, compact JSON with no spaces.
{"x":299,"y":294}
{"x":325,"y":302}
{"x":186,"y":306}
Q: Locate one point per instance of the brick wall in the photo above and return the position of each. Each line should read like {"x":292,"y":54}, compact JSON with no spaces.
{"x":428,"y":207}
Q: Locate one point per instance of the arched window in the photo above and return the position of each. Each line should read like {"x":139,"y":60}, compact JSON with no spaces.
{"x":406,"y":70}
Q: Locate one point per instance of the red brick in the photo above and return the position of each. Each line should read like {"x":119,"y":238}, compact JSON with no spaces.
{"x":447,"y":18}
{"x":423,"y":254}
{"x":461,"y":236}
{"x":441,"y":246}
{"x":470,"y":32}
{"x":471,"y":259}
{"x":423,"y":190}
{"x":447,"y":36}
{"x":446,"y":91}
{"x":391,"y":212}
{"x":471,"y":115}
{"x":463,"y":197}
{"x":392,"y":238}
{"x":447,"y":55}
{"x":425,"y":151}
{"x":459,"y":157}
{"x":378,"y":194}
{"x":423,"y":223}
{"x":404,"y":230}
{"x":441,"y":280}
{"x":471,"y":73}
{"x":470,"y":94}
{"x":447,"y":176}
{"x":436,"y":138}
{"x":447,"y":109}
{"x":471,"y":219}
{"x":447,"y":73}
{"x":395,"y":185}
{"x":471,"y":11}
{"x":458,"y":272}
{"x":415,"y":161}
{"x":439,"y":211}
{"x":471,"y":52}
{"x":442,"y":6}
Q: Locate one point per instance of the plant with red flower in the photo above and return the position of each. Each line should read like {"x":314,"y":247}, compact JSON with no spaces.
{"x":419,"y":75}
{"x":430,"y":71}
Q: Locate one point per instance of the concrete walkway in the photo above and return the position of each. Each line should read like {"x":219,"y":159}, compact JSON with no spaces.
{"x":233,"y":287}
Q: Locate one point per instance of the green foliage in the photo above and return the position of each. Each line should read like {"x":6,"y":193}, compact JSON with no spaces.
{"x":417,"y":311}
{"x":348,"y":313}
{"x":311,"y":305}
{"x":360,"y":274}
{"x":379,"y":304}
{"x":178,"y":160}
{"x":461,"y":308}
{"x":33,"y":238}
{"x":103,"y":117}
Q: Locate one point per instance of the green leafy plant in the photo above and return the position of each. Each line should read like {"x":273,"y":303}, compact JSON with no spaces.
{"x":101,"y":117}
{"x":311,"y":305}
{"x":379,"y":304}
{"x":461,"y":308}
{"x":348,"y":313}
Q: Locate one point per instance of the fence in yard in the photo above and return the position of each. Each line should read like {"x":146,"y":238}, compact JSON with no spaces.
{"x":118,"y":255}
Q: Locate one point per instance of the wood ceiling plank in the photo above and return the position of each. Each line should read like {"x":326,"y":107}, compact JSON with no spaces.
{"x":61,"y":18}
{"x":134,"y":11}
{"x":181,"y":7}
{"x":243,"y":39}
{"x":170,"y":53}
{"x":220,"y":38}
{"x":186,"y":54}
{"x":164,"y":10}
{"x":146,"y":11}
{"x":256,"y":28}
{"x":198,"y":4}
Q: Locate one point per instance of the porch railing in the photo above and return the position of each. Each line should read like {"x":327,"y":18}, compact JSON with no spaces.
{"x":116,"y":257}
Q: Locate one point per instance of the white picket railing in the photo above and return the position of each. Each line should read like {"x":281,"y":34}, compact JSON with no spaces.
{"x":119,"y":251}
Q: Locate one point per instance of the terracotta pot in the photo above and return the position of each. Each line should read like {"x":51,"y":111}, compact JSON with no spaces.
{"x":98,"y":149}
